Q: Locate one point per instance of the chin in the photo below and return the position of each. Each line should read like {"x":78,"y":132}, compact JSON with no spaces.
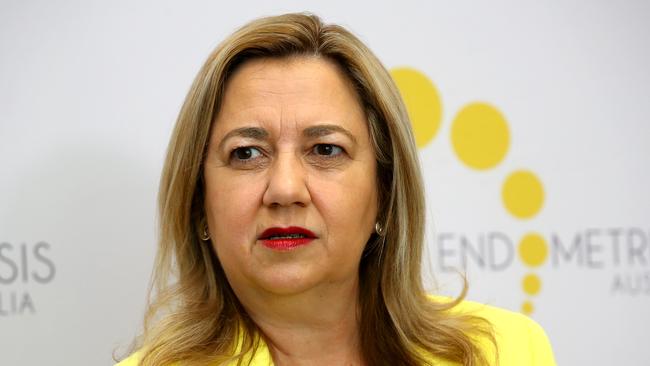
{"x":288,"y":281}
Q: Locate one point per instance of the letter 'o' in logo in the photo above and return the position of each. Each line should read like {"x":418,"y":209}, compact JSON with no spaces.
{"x":480,"y":138}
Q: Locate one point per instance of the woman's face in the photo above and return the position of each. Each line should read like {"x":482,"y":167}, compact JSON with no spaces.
{"x":291,"y":196}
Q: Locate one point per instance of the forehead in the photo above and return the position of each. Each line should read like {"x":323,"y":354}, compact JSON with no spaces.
{"x":297,"y":91}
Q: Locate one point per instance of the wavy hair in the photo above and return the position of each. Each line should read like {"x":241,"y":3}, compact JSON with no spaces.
{"x":193,"y":314}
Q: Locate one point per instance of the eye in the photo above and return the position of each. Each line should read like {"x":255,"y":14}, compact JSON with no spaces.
{"x":245,"y":153}
{"x":327,"y":150}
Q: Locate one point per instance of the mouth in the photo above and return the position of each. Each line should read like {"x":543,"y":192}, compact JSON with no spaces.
{"x":288,"y":238}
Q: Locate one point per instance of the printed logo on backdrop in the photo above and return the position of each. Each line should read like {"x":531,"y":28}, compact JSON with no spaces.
{"x":480,"y":138}
{"x":24,"y":268}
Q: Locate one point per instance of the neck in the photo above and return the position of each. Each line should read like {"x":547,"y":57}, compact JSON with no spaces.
{"x":316,"y":327}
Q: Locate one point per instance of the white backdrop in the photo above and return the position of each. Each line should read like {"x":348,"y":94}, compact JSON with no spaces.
{"x":89,"y":92}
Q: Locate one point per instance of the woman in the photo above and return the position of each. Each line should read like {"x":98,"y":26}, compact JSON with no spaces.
{"x":292,"y":219}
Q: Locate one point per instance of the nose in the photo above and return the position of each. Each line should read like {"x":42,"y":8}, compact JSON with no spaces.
{"x":287,"y":182}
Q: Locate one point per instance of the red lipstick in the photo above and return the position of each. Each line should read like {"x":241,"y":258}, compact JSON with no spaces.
{"x":287,"y":238}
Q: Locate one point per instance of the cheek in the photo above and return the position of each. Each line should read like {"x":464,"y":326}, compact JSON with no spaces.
{"x":348,"y":205}
{"x":231,"y":207}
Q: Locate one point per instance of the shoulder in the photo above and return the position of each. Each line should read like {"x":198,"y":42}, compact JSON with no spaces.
{"x":520,"y":340}
{"x":260,"y":358}
{"x":132,"y":360}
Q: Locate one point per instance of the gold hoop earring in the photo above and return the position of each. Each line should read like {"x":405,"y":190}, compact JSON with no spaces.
{"x":206,"y":235}
{"x":379,"y":229}
{"x":377,"y":245}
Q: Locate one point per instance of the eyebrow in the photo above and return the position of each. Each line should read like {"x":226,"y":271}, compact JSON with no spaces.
{"x":258,"y":133}
{"x":255,"y":133}
{"x":324,"y":130}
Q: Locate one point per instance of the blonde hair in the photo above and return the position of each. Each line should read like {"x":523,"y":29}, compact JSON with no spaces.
{"x":193,"y":314}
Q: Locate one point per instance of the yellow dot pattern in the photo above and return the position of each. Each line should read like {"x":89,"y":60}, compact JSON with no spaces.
{"x":480,"y":136}
{"x":531,"y":284}
{"x":422,"y":103}
{"x":533,"y":250}
{"x":523,"y":194}
{"x":527,"y":307}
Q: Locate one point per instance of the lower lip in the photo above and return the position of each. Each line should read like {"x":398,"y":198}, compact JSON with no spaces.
{"x":286,"y":244}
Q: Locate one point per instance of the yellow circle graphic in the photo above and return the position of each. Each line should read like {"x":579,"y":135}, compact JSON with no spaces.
{"x":480,"y":136}
{"x":422,"y":103}
{"x":527,"y":307}
{"x":523,"y":194}
{"x":533,"y":249}
{"x":531,"y":284}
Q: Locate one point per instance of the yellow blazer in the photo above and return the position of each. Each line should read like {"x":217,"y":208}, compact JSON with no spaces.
{"x":520,"y":340}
